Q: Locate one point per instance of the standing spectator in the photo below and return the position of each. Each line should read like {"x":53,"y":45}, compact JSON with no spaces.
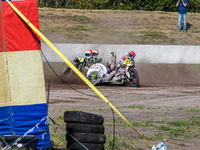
{"x":182,"y":4}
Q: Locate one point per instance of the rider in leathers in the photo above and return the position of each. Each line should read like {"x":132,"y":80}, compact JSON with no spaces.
{"x":131,"y":55}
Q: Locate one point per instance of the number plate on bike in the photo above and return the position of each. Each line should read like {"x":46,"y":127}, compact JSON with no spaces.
{"x":81,"y":59}
{"x":128,"y":62}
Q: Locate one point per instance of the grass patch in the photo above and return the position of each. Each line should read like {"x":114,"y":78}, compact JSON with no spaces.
{"x":179,"y":132}
{"x":180,"y":123}
{"x":117,"y":123}
{"x":133,"y":107}
{"x":157,"y":136}
{"x":138,"y":107}
{"x":78,"y":28}
{"x":173,"y":130}
{"x":163,"y":128}
{"x":153,"y":107}
{"x":143,"y":124}
{"x":121,"y":142}
{"x":195,"y":118}
{"x":59,"y":140}
{"x":194,"y":110}
{"x":154,"y":34}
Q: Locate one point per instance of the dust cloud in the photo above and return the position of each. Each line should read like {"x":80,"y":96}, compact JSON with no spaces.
{"x":149,"y":75}
{"x":168,"y":74}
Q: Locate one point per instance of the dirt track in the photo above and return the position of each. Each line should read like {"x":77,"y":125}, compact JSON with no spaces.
{"x":167,"y":92}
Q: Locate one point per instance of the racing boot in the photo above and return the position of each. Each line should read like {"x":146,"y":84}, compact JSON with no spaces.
{"x":110,"y":76}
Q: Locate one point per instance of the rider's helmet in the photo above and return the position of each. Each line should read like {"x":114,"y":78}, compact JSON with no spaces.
{"x":131,"y":54}
{"x":95,"y":53}
{"x":88,"y":53}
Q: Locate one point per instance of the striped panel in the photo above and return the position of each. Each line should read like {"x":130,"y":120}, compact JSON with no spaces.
{"x":23,"y":105}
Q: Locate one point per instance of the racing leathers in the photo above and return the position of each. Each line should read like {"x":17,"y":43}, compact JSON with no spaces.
{"x":121,"y":63}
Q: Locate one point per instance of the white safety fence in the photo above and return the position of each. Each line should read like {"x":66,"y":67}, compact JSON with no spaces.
{"x":168,"y":54}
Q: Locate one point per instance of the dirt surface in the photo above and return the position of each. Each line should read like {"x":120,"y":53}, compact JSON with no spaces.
{"x":166,"y":94}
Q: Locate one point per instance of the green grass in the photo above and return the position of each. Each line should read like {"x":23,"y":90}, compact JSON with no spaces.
{"x":133,"y":107}
{"x":194,"y":110}
{"x":156,"y":136}
{"x":153,"y":107}
{"x":173,"y":130}
{"x":79,"y":28}
{"x":151,"y":33}
{"x":139,"y":107}
{"x":59,"y":140}
{"x":121,"y":142}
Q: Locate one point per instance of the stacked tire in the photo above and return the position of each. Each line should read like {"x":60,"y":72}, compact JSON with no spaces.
{"x":84,"y":131}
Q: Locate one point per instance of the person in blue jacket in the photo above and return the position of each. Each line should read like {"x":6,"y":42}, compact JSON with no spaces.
{"x":182,"y":4}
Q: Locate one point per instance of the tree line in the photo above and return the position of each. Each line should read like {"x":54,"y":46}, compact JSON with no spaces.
{"x":148,"y":5}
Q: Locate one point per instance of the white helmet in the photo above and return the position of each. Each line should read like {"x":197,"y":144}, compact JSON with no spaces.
{"x":95,"y":53}
{"x":88,"y":53}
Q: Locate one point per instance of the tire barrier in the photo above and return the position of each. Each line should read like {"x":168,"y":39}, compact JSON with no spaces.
{"x":84,"y":131}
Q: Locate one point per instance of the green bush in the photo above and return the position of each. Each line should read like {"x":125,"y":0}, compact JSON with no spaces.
{"x":150,"y":5}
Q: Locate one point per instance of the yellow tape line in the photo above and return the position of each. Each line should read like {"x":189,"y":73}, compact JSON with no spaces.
{"x":70,"y":64}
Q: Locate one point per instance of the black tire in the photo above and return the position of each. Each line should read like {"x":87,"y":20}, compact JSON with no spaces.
{"x":134,"y":78}
{"x":90,"y":146}
{"x":84,"y":128}
{"x":86,"y":138}
{"x":83,"y":117}
{"x":93,"y":78}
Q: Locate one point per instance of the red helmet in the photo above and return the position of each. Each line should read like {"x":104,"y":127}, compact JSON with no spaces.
{"x":88,"y":53}
{"x":95,"y":53}
{"x":131,"y":54}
